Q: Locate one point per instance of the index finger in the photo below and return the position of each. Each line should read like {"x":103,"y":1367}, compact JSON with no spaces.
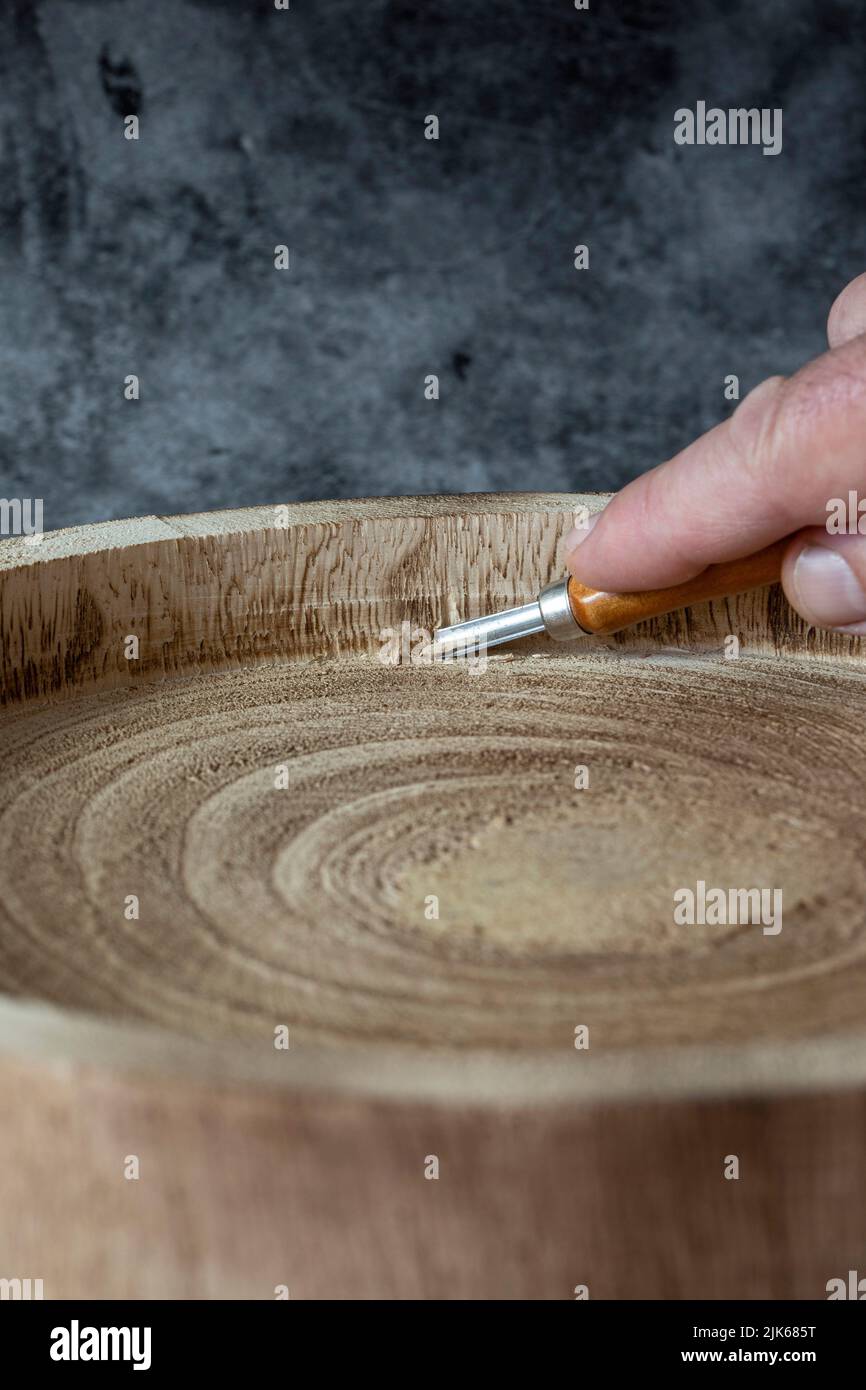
{"x":792,"y":445}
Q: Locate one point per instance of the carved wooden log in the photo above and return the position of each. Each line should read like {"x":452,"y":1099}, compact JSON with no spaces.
{"x":247,"y":828}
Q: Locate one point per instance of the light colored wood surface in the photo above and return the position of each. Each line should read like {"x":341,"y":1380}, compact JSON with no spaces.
{"x":242,"y":1190}
{"x":226,"y":589}
{"x":304,"y":905}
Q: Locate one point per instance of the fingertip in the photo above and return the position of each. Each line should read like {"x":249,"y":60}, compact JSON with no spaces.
{"x":847,"y":317}
{"x":824,"y":579}
{"x":576,"y":537}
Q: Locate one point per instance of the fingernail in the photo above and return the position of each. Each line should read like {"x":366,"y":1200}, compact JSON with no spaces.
{"x":827,"y":589}
{"x":578,"y":534}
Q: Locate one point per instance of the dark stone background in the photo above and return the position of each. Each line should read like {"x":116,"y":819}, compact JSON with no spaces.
{"x":408,"y":256}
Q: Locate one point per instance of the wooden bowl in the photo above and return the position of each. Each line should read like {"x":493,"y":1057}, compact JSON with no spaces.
{"x":244,"y":828}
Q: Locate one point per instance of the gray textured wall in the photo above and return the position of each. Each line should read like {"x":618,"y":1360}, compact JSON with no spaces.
{"x":409,"y":256}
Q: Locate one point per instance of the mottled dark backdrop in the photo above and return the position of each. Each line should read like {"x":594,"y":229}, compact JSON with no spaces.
{"x":408,"y":256}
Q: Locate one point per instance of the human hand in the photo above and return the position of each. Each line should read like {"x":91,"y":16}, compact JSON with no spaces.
{"x":771,"y":470}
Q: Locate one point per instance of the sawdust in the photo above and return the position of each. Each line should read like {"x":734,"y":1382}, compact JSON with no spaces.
{"x":311,"y":904}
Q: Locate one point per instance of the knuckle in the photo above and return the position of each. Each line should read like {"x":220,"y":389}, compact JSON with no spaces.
{"x":755,"y":424}
{"x":824,"y":393}
{"x":821,"y":420}
{"x":808,"y":415}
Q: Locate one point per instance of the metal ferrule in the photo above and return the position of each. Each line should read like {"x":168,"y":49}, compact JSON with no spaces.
{"x":559,"y":621}
{"x":551,"y":614}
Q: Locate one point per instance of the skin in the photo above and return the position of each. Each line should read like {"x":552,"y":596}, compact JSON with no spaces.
{"x":767,"y":472}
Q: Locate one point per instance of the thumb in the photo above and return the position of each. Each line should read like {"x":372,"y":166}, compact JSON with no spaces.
{"x":774,"y":468}
{"x":824,"y":578}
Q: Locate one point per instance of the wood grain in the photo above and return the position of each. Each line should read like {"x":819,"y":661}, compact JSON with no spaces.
{"x":285,"y":807}
{"x":232,"y":589}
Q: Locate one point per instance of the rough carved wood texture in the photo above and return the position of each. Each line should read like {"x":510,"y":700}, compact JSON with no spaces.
{"x":231,"y":588}
{"x":304,"y":905}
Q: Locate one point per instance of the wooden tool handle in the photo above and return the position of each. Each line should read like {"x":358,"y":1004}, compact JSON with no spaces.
{"x":599,"y":612}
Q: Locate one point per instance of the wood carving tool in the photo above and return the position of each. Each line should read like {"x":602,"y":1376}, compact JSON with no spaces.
{"x":567,"y":609}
